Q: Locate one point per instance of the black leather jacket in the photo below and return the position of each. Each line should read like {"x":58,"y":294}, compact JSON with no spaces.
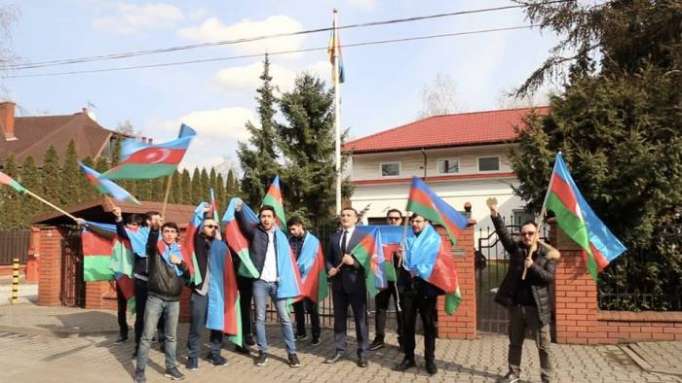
{"x":540,"y":275}
{"x":163,"y":282}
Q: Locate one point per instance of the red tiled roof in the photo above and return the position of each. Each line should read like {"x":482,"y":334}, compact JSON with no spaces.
{"x":488,"y":127}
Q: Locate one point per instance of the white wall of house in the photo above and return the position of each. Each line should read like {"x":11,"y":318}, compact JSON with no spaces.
{"x":467,"y":185}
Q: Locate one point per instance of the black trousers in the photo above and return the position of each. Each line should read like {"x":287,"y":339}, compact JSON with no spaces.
{"x":381,"y":301}
{"x":300,"y":309}
{"x":245,"y":286}
{"x":140,"y":304}
{"x":414,"y":303}
{"x":122,"y":307}
{"x":358,"y":302}
{"x":199,"y":309}
{"x":520,"y":319}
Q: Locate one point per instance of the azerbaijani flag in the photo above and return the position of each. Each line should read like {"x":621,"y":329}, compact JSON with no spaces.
{"x":107,"y":186}
{"x":391,"y":237}
{"x":313,"y":274}
{"x":578,"y":221}
{"x":274,"y":198}
{"x":334,"y":50}
{"x":223,"y":313}
{"x":122,"y":261}
{"x":425,"y":202}
{"x":137,"y":236}
{"x":97,"y":252}
{"x":369,"y":252}
{"x":428,"y":257}
{"x":9,"y":181}
{"x":237,"y":241}
{"x":188,"y":254}
{"x":145,"y":161}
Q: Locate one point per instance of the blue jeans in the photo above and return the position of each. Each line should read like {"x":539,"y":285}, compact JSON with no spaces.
{"x":154,"y":309}
{"x":261,"y":291}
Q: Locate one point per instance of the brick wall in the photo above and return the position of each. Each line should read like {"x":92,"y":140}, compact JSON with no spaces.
{"x":462,"y":324}
{"x":579,"y":320}
{"x":100,"y":295}
{"x":50,"y":255}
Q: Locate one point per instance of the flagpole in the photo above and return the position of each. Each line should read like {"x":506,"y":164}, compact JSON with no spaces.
{"x":337,"y":114}
{"x":165,"y":197}
{"x":41,"y":199}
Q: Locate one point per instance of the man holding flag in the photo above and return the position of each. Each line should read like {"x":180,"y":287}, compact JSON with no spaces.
{"x":269,"y":250}
{"x":348,"y":286}
{"x":418,"y":295}
{"x":302,"y":244}
{"x":525,"y":293}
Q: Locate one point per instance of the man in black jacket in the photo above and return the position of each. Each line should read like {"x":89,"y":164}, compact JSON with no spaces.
{"x":420,"y":296}
{"x":348,"y":286}
{"x":525,"y":292}
{"x":204,"y":238}
{"x":263,"y":253}
{"x":140,"y":275}
{"x":167,"y":273}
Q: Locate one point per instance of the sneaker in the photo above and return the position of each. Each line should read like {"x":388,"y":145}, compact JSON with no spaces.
{"x":406,"y":364}
{"x":376,"y":345}
{"x":293,"y":361}
{"x":300,"y":337}
{"x":242,"y":350}
{"x":510,"y":378}
{"x":315,"y":342}
{"x":431,"y":367}
{"x":217,"y":360}
{"x":121,"y":339}
{"x":174,"y":374}
{"x":139,"y":377}
{"x":262,"y":358}
{"x":192,"y":364}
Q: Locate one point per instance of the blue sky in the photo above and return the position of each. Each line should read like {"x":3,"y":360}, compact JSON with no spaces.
{"x":383,"y":86}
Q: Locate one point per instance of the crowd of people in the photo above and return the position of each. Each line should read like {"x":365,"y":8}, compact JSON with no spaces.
{"x":161,"y":273}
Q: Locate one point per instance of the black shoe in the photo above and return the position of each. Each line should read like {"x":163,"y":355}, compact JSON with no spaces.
{"x":315,"y":342}
{"x":301,"y":336}
{"x":139,"y":377}
{"x":192,"y":364}
{"x":217,"y":359}
{"x":121,"y":339}
{"x":293,"y":361}
{"x":262,"y":358}
{"x":337,"y":356}
{"x":510,"y":378}
{"x":242,"y":350}
{"x":376,"y":345}
{"x":362,"y":362}
{"x":431,"y":367}
{"x":249,"y":341}
{"x":406,"y":364}
{"x":174,"y":374}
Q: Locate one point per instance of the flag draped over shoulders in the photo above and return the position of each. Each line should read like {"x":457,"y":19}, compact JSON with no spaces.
{"x":313,"y":274}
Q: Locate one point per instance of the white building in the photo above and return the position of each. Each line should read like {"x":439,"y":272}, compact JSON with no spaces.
{"x":463,"y":157}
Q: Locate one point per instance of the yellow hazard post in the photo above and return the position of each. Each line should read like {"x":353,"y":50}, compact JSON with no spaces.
{"x":15,"y":281}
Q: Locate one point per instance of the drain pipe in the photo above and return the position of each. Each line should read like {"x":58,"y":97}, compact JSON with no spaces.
{"x":425,"y":162}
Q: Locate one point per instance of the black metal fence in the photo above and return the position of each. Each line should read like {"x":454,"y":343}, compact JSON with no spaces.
{"x":14,"y":244}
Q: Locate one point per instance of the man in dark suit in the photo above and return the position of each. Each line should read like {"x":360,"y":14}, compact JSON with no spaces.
{"x":348,"y":286}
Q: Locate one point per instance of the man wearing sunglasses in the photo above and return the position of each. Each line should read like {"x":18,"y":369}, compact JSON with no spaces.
{"x":394,"y":218}
{"x":203,"y":240}
{"x":525,"y":293}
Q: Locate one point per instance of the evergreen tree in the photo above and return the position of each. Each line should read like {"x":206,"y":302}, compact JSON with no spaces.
{"x":12,"y":212}
{"x":50,"y":176}
{"x":212,"y":181}
{"x":176,"y":188}
{"x":231,"y":186}
{"x":87,"y":190}
{"x":186,"y":186}
{"x":197,"y":188}
{"x":619,"y":125}
{"x":258,"y":157}
{"x":307,"y":142}
{"x":70,"y":177}
{"x":30,"y":179}
{"x":159,"y":185}
{"x":205,"y":184}
{"x":220,"y":195}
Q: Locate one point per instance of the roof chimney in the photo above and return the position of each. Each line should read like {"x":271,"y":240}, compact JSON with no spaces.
{"x":7,"y":120}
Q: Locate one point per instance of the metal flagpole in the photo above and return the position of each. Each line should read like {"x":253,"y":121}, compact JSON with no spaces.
{"x":337,"y":112}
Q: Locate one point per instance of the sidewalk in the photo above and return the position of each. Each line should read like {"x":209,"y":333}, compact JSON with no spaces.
{"x":57,"y":344}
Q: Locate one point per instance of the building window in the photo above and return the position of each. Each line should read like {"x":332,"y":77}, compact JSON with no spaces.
{"x":488,"y":164}
{"x":448,"y":166}
{"x":390,"y":169}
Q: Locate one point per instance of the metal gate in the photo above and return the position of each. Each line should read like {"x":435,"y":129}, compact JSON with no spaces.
{"x":73,"y":288}
{"x":492,"y":262}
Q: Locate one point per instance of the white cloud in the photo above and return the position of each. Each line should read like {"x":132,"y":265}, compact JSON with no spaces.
{"x":213,"y":30}
{"x":247,"y":77}
{"x":223,"y":123}
{"x":131,"y":18}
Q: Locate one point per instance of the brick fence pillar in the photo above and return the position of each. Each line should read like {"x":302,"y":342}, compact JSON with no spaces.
{"x":462,"y":324}
{"x":50,"y":278}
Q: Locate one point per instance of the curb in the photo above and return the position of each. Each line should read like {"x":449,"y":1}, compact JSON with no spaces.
{"x":646,"y":366}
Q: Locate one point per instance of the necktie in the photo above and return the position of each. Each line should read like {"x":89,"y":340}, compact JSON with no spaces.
{"x":344,"y":242}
